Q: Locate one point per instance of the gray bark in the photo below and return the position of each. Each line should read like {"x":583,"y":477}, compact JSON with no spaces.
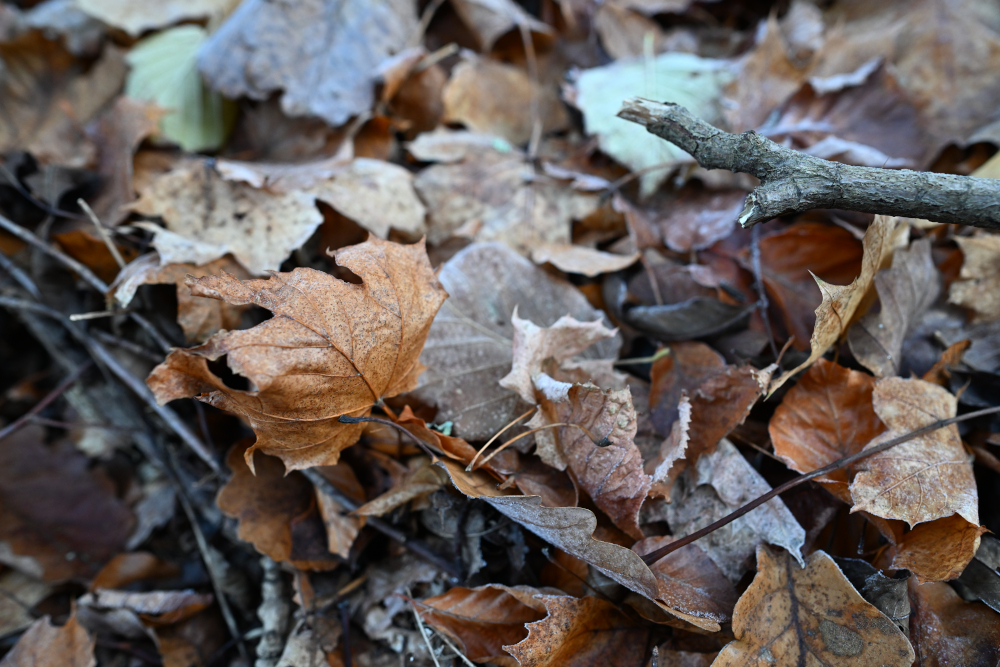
{"x":792,"y":182}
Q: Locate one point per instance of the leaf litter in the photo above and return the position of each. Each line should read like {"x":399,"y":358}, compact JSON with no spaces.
{"x":465,"y":348}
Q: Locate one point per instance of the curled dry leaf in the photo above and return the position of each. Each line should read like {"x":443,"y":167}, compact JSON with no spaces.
{"x":581,"y":259}
{"x":947,"y":630}
{"x":333,"y":348}
{"x":938,"y":550}
{"x":421,"y":481}
{"x":485,"y":619}
{"x":979,"y":279}
{"x":926,"y":478}
{"x":45,"y":645}
{"x":582,"y":631}
{"x":840,"y":303}
{"x":795,"y":615}
{"x":690,"y":585}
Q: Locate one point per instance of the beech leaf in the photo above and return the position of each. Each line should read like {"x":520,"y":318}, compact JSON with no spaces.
{"x":938,"y":550}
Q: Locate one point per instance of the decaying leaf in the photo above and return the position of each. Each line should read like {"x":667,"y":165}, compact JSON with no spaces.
{"x":333,"y":348}
{"x":137,"y":18}
{"x":581,"y":259}
{"x":45,"y":645}
{"x":809,"y":615}
{"x":946,"y":630}
{"x":581,"y":631}
{"x":421,"y":481}
{"x":469,"y":347}
{"x":979,"y":280}
{"x":697,"y":220}
{"x":926,"y":478}
{"x":264,"y":47}
{"x":485,"y":619}
{"x":938,"y":550}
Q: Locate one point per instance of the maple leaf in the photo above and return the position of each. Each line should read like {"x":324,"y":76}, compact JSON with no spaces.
{"x":794,"y":615}
{"x":333,"y":348}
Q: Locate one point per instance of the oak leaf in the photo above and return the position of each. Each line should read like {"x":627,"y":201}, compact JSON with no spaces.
{"x":926,"y":478}
{"x":45,"y":645}
{"x":938,"y":550}
{"x":811,"y":615}
{"x":333,"y":348}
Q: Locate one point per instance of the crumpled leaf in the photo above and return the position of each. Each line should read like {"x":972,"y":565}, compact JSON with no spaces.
{"x":419,"y":482}
{"x":333,"y":348}
{"x":264,"y":47}
{"x":45,"y":645}
{"x":690,"y":585}
{"x":136,"y":18}
{"x":927,"y":478}
{"x":207,"y":217}
{"x":481,"y":621}
{"x":581,"y":631}
{"x":581,"y":259}
{"x":719,"y":484}
{"x":164,"y":70}
{"x":490,"y":97}
{"x":938,"y":550}
{"x":840,"y":303}
{"x":905,"y":292}
{"x":469,"y":347}
{"x":946,"y":630}
{"x":809,"y":614}
{"x":979,"y":280}
{"x":491,"y":19}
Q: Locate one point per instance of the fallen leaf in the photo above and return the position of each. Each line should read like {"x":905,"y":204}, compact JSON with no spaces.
{"x":532,"y":477}
{"x":926,"y":478}
{"x":690,"y":585}
{"x":905,"y":293}
{"x":581,"y":631}
{"x":946,"y":630}
{"x":623,"y":32}
{"x":128,"y":568}
{"x":481,"y":621}
{"x":469,"y":347}
{"x":719,"y":484}
{"x":342,"y":527}
{"x":45,"y":645}
{"x":153,"y":608}
{"x":421,"y":481}
{"x":581,"y":259}
{"x":297,"y":362}
{"x":699,"y":219}
{"x":52,"y":506}
{"x":137,"y":19}
{"x":263,"y":47}
{"x":64,"y":20}
{"x":19,"y":594}
{"x":682,"y":370}
{"x":938,"y":550}
{"x":258,"y":228}
{"x":940,"y":372}
{"x":491,"y":19}
{"x":90,"y":250}
{"x":46,"y":99}
{"x":491,"y":97}
{"x":694,"y":83}
{"x":795,"y":614}
{"x":840,"y":303}
{"x":979,"y":279}
{"x":887,"y":594}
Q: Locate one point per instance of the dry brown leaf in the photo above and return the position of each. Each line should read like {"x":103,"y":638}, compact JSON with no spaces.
{"x":90,"y":250}
{"x":682,"y":370}
{"x":905,"y":293}
{"x":840,"y":303}
{"x":45,"y":645}
{"x":794,"y":615}
{"x":927,"y":478}
{"x":19,"y":594}
{"x":491,"y":19}
{"x":128,"y":568}
{"x":333,"y":348}
{"x":946,"y":630}
{"x":623,"y":31}
{"x":532,"y":477}
{"x":51,"y":506}
{"x":690,"y":585}
{"x":275,"y":511}
{"x":153,"y":609}
{"x":581,"y":259}
{"x":136,"y":19}
{"x":469,"y":347}
{"x":46,"y":99}
{"x":421,"y":481}
{"x":483,"y":620}
{"x":582,"y":631}
{"x":938,"y":550}
{"x":699,"y":219}
{"x":265,"y":47}
{"x":979,"y":279}
{"x":490,"y":97}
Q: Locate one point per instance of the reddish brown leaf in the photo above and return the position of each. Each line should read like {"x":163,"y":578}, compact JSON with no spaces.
{"x":938,"y":550}
{"x":333,"y":348}
{"x":128,"y":568}
{"x":946,"y":630}
{"x":45,"y":645}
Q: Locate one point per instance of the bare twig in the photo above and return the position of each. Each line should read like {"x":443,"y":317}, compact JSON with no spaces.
{"x":19,"y":276}
{"x":112,"y":248}
{"x":792,"y":182}
{"x":654,"y":556}
{"x":428,"y":448}
{"x":423,"y":630}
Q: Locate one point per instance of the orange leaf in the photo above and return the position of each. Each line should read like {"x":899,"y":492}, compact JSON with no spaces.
{"x":938,"y":550}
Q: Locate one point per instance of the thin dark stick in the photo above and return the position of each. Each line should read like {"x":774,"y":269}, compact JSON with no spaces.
{"x":654,"y":556}
{"x":428,"y":448}
{"x":8,"y":265}
{"x":345,"y":621}
{"x":45,"y":402}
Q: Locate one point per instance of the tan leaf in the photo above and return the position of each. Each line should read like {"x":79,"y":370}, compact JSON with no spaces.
{"x":938,"y":550}
{"x":946,"y":630}
{"x":136,"y":19}
{"x":623,"y":32}
{"x":581,"y":631}
{"x":905,"y":292}
{"x":128,"y":568}
{"x":979,"y":279}
{"x":491,"y":97}
{"x":19,"y":594}
{"x":333,"y":348}
{"x":490,"y":19}
{"x":469,"y":347}
{"x":794,"y":615}
{"x":483,"y":620}
{"x":342,"y":527}
{"x":207,"y":216}
{"x":927,"y":478}
{"x":840,"y":303}
{"x":423,"y":480}
{"x":690,"y":585}
{"x":581,"y":259}
{"x":45,"y":645}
